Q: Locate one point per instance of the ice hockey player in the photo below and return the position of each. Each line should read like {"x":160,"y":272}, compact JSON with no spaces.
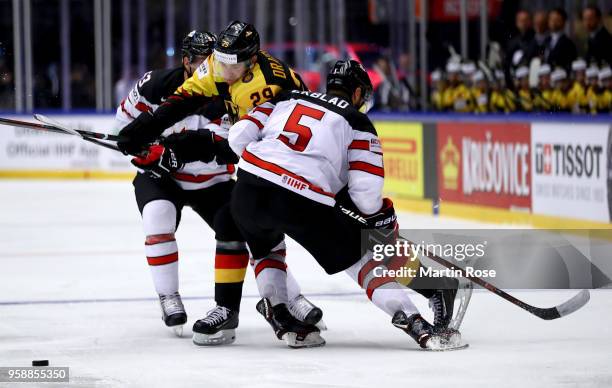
{"x":308,"y":161}
{"x":216,"y":81}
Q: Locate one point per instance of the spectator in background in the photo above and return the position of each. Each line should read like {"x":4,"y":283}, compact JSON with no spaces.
{"x":577,"y":93}
{"x":559,"y":98}
{"x":540,"y":26}
{"x":462,"y":96}
{"x":523,"y":91}
{"x":480,"y":92}
{"x":391,"y":93}
{"x":599,"y":46}
{"x":521,"y":48}
{"x":592,"y":88}
{"x":560,"y":50}
{"x":502,"y":99}
{"x":604,"y":95}
{"x":453,"y":73}
{"x":403,"y":74}
{"x":436,"y":98}
{"x":543,"y":94}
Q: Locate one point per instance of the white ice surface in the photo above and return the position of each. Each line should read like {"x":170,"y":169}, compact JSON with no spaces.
{"x":79,"y":246}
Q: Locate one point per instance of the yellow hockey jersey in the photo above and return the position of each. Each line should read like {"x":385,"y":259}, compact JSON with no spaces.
{"x":502,"y":101}
{"x":577,"y":98}
{"x":262,"y":82}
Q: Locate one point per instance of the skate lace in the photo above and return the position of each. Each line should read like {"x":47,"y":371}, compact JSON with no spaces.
{"x":216,"y":315}
{"x":172,"y":303}
{"x":300,"y":307}
{"x":437,"y":305}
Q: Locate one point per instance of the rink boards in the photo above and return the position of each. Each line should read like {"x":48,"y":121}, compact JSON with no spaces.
{"x":527,"y":170}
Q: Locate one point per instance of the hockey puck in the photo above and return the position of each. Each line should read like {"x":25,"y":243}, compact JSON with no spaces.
{"x":40,"y":363}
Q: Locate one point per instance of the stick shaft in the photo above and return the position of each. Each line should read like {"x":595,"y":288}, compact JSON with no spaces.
{"x":51,"y":128}
{"x":544,"y":313}
{"x":86,"y":135}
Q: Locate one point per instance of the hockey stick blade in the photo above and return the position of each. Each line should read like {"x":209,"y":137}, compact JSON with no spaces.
{"x":53,"y":123}
{"x":78,"y":132}
{"x":565,"y":308}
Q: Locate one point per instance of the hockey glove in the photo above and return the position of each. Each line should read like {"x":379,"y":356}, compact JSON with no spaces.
{"x":192,"y":146}
{"x":224,"y":153}
{"x":158,"y":160}
{"x":136,"y":136}
{"x":382,"y":227}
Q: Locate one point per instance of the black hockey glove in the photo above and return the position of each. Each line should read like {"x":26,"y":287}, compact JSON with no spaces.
{"x":224,"y":153}
{"x":158,"y":160}
{"x":382,"y":227}
{"x":137,"y":135}
{"x":192,"y":146}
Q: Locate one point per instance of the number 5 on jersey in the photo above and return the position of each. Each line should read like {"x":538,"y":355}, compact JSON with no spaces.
{"x":303,"y":132}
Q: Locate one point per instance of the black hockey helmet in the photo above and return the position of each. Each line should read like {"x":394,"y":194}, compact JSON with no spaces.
{"x":349,"y":75}
{"x":237,"y":43}
{"x":198,"y":43}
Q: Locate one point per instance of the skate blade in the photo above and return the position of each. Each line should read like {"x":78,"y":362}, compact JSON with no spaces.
{"x":312,"y":340}
{"x":321,"y":325}
{"x":223,"y":337}
{"x":177,"y":330}
{"x":464,"y":294}
{"x":442,"y":344}
{"x":447,"y":349}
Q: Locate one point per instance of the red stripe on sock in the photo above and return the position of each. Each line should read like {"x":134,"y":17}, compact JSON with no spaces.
{"x":269,"y":263}
{"x":365,"y":269}
{"x":161,"y":260}
{"x":159,"y":238}
{"x":375,"y":283}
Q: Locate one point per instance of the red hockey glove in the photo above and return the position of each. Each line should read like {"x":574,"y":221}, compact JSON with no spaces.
{"x":158,"y":160}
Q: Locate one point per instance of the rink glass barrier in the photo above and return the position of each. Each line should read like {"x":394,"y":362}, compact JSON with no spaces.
{"x":547,"y":171}
{"x":506,"y":258}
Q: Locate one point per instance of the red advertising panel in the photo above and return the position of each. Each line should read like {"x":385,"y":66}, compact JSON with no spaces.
{"x":485,"y":164}
{"x":450,"y":10}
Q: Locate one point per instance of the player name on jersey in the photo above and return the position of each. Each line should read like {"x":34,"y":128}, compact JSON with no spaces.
{"x":337,"y":101}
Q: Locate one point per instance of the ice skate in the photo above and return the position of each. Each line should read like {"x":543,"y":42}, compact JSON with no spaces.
{"x":425,"y":335}
{"x":217,"y":328}
{"x":442,"y":303}
{"x":303,"y":309}
{"x":295,"y":333}
{"x":173,"y":312}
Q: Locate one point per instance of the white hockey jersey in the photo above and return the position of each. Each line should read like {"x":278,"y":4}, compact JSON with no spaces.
{"x":312,"y":144}
{"x":146,"y":96}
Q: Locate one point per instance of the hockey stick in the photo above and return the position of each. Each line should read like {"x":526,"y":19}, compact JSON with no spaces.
{"x":96,"y":135}
{"x":85,"y":135}
{"x":561,"y":310}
